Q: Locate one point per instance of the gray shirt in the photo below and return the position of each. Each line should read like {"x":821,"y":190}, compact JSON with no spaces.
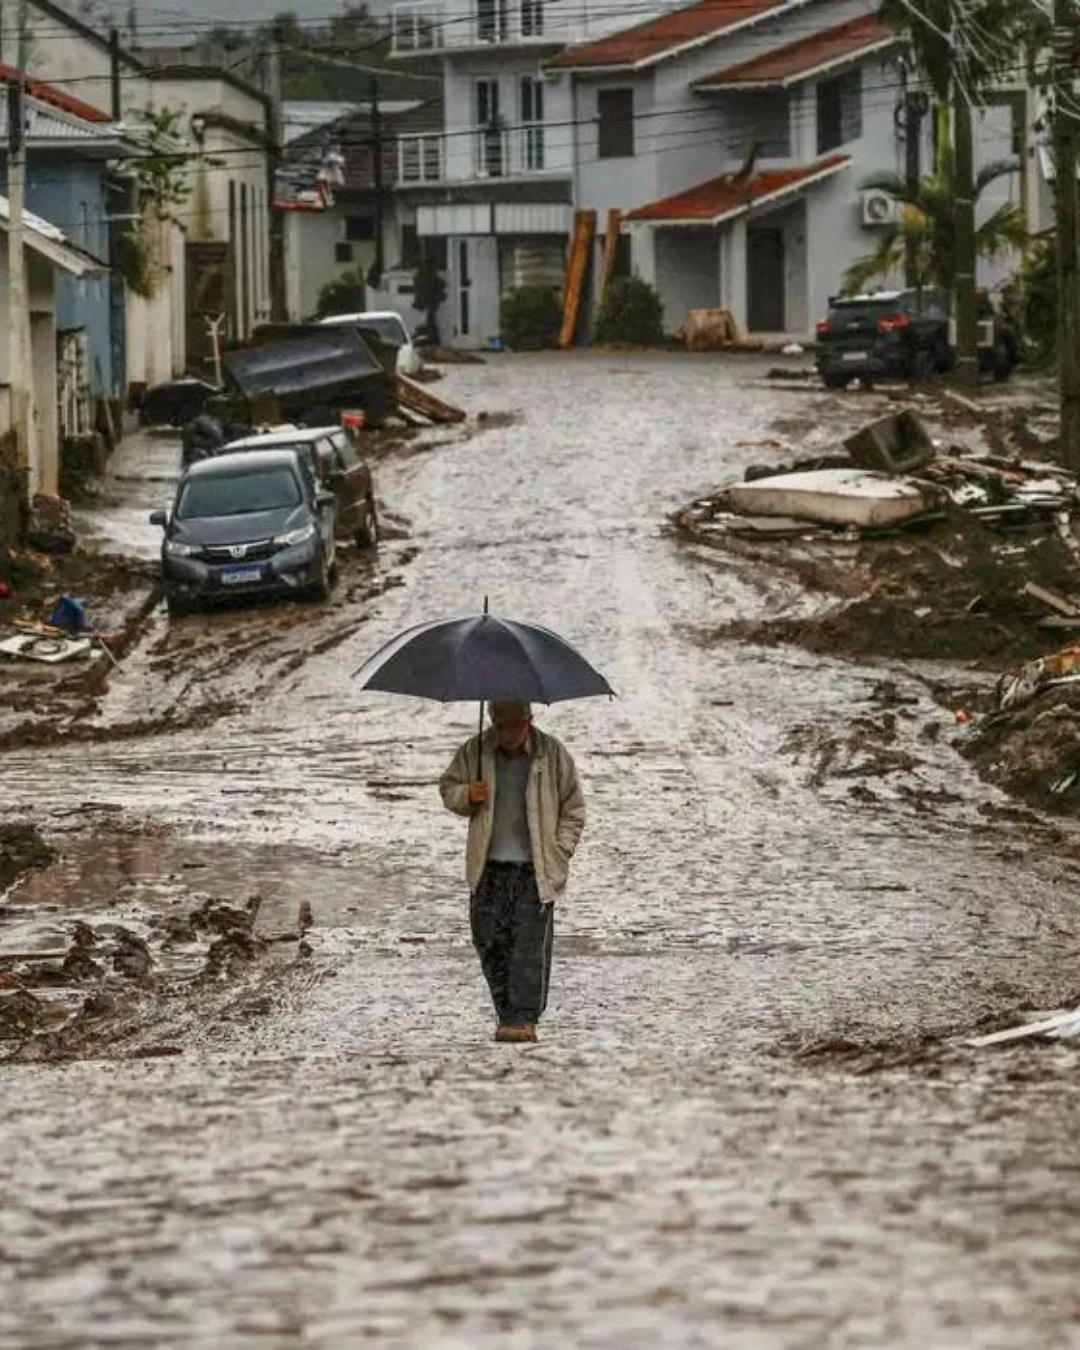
{"x":510,"y":822}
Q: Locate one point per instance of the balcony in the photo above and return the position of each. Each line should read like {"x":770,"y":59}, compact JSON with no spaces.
{"x":419,"y":28}
{"x":492,"y":153}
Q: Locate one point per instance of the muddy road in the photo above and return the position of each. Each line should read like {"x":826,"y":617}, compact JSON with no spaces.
{"x":751,"y":1119}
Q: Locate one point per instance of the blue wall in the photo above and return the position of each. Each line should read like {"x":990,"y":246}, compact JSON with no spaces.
{"x":71,"y":195}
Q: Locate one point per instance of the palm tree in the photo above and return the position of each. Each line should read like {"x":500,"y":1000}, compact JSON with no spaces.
{"x":927,"y":217}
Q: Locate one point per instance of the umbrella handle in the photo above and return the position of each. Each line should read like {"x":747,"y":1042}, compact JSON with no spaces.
{"x":480,"y":746}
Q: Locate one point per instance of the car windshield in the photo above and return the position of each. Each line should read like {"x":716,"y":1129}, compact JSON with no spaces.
{"x":389,"y":327}
{"x":238,"y":494}
{"x":852,"y":310}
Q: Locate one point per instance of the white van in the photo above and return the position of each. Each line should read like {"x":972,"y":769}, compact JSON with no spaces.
{"x":390,"y":326}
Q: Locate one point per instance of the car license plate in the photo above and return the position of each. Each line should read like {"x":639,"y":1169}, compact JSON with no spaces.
{"x":854,"y":357}
{"x":236,"y":576}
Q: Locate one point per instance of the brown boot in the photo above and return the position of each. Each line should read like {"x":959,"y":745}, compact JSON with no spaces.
{"x":516,"y":1035}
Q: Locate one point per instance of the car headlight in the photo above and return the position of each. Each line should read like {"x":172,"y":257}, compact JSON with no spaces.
{"x":179,"y":549}
{"x":294,"y":537}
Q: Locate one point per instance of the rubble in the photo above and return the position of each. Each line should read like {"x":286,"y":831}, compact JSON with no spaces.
{"x":22,"y":849}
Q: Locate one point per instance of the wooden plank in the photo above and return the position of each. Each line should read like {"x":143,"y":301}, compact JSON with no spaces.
{"x":1052,"y":600}
{"x":417,"y":399}
{"x":577,"y":269}
{"x":611,"y":248}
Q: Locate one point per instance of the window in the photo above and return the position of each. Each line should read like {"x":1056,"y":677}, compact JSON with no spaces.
{"x":615,"y":123}
{"x":532,"y":118}
{"x":359,"y":229}
{"x":492,"y":20}
{"x":839,"y":110}
{"x":532,"y":18}
{"x":343,"y":253}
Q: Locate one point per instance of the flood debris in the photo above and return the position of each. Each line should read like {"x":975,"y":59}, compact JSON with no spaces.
{"x":1054,"y":1026}
{"x":112,"y":981}
{"x":22,"y":850}
{"x":848,"y":498}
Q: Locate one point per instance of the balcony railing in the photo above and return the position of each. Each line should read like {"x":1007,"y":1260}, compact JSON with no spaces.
{"x":495,"y":152}
{"x":419,"y":26}
{"x":420,"y":158}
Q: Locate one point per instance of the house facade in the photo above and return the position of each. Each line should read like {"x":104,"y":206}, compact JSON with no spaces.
{"x":344,"y":220}
{"x":49,"y":256}
{"x":75,"y":179}
{"x":210,"y":256}
{"x":494,"y":191}
{"x":734,"y":136}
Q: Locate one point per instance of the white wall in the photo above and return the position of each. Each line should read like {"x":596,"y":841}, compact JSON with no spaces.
{"x":683,"y":138}
{"x":687,"y":273}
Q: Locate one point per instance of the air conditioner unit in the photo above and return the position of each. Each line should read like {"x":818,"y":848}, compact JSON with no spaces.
{"x":878,"y":208}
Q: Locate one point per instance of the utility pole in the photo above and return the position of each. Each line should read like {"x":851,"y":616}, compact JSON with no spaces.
{"x":374,"y":276}
{"x":916,"y":106}
{"x":1066,"y":45}
{"x":21,"y":372}
{"x":116,"y":97}
{"x":967,"y":341}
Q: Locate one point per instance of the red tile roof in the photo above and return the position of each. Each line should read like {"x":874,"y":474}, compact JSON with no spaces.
{"x":56,"y":98}
{"x":656,"y":38}
{"x":797,"y":60}
{"x":727,"y":196}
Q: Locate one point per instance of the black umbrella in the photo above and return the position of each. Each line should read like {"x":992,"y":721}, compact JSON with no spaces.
{"x":482,"y":658}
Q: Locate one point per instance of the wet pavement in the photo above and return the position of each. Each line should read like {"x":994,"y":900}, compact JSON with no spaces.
{"x":719,"y":1140}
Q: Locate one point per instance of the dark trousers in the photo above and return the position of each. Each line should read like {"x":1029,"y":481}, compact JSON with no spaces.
{"x":512,"y":932}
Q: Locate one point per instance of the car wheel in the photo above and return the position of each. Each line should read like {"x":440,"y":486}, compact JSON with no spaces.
{"x":923,"y":366}
{"x":320,"y":587}
{"x":832,"y":380}
{"x":367,"y":536}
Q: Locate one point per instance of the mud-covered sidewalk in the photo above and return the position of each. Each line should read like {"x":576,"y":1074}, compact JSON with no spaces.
{"x":752,"y":1118}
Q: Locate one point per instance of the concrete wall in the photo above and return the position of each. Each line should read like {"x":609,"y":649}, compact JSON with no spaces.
{"x":43,"y":449}
{"x":687,"y":273}
{"x":71,"y":195}
{"x":155,"y":325}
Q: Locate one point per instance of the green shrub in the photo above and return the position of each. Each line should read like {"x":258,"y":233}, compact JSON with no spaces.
{"x":1030,"y":300}
{"x":530,"y":318}
{"x":631,"y":313}
{"x":346,"y":294}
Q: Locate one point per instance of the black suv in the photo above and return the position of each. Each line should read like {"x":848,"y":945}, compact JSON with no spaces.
{"x":904,"y":335}
{"x":245,"y":524}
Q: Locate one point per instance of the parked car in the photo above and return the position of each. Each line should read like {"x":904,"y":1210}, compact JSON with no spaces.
{"x":904,"y":334}
{"x":328,"y":453}
{"x":245,"y":524}
{"x":390,"y":326}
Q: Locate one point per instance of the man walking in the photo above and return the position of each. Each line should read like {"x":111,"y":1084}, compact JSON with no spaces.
{"x":526,"y":814}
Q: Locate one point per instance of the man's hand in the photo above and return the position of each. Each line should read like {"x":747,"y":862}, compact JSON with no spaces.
{"x":478,"y":793}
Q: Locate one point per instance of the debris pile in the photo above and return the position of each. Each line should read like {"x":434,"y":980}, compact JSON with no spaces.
{"x":107,"y":967}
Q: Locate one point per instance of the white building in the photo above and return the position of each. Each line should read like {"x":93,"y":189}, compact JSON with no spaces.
{"x":48,"y":254}
{"x":733,"y":137}
{"x":496,"y":188}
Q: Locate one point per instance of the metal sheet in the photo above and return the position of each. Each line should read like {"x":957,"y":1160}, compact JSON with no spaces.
{"x":327,"y":357}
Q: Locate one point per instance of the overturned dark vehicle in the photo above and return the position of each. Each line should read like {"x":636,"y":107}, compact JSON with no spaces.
{"x":304,"y":373}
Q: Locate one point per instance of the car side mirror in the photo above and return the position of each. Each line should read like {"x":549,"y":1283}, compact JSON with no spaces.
{"x":159,"y":518}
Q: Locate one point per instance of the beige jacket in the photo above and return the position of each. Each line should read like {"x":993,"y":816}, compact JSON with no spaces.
{"x":553,"y":800}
